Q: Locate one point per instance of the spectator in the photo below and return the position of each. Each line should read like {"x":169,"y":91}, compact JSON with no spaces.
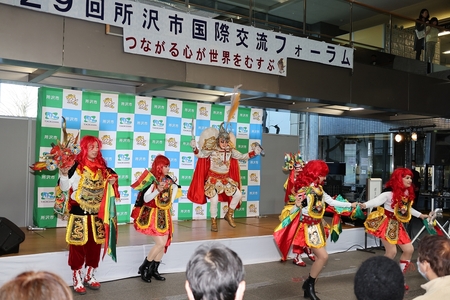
{"x":379,"y":278}
{"x":215,"y":272}
{"x":39,"y":285}
{"x":431,"y":38}
{"x":420,"y":28}
{"x":433,"y":263}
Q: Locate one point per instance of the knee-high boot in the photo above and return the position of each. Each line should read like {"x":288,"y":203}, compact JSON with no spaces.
{"x":229,"y":217}
{"x":214,"y":224}
{"x":154,"y":271}
{"x":144,"y":270}
{"x":404,"y":265}
{"x":308,"y":287}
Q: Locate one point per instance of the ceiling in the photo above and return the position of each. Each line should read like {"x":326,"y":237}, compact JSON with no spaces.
{"x":334,"y":12}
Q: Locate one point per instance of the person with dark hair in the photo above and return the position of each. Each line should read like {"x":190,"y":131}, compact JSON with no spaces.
{"x":36,"y":285}
{"x":305,"y":220}
{"x":387,"y":222}
{"x":151,"y":213}
{"x":433,"y":263}
{"x":379,"y":278}
{"x":215,"y":272}
{"x":431,"y":38}
{"x":217,"y":176}
{"x":86,"y":184}
{"x":419,"y":43}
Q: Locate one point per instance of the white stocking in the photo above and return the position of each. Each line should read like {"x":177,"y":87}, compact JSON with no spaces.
{"x":213,"y":206}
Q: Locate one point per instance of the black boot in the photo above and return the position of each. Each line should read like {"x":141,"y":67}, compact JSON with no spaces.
{"x":144,"y":270}
{"x":154,"y":271}
{"x":308,"y":287}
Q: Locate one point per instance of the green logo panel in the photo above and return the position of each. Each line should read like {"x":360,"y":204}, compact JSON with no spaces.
{"x":189,"y":110}
{"x":185,"y":145}
{"x":241,"y":212}
{"x":217,"y":113}
{"x":157,"y":141}
{"x":124,"y":140}
{"x":126,"y":104}
{"x":185,"y":177}
{"x":244,"y":115}
{"x":84,"y":132}
{"x":185,"y":211}
{"x":159,"y":106}
{"x":45,"y":217}
{"x":46,"y":178}
{"x":242,"y":145}
{"x":48,"y":136}
{"x":244,"y":177}
{"x":91,"y":101}
{"x":124,"y":175}
{"x":123,"y":213}
{"x":51,"y":97}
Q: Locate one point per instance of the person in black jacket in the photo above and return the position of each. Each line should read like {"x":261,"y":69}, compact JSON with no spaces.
{"x":419,"y":44}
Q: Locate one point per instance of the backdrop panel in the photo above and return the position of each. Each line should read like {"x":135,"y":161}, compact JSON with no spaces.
{"x":133,"y":131}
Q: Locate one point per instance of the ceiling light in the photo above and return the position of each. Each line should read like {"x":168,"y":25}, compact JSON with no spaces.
{"x":446,"y":52}
{"x":414,"y":136}
{"x":356,"y":108}
{"x":398,"y":138}
{"x":443,"y":33}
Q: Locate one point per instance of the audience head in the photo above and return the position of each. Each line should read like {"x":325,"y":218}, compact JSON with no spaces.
{"x":379,"y":278}
{"x":215,"y":272}
{"x":33,"y":285}
{"x":424,"y":14}
{"x":434,"y":256}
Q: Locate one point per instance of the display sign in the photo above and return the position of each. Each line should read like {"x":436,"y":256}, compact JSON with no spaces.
{"x":135,"y":129}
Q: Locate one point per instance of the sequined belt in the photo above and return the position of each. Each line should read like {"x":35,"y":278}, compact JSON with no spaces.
{"x":389,"y":214}
{"x":218,"y":175}
{"x":310,"y":220}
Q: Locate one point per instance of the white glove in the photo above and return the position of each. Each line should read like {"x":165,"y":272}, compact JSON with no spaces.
{"x":193,"y":144}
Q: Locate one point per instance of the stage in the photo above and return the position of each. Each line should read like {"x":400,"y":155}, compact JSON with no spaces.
{"x":251,"y":239}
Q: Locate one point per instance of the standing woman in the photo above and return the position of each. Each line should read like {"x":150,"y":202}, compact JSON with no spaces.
{"x":419,"y":44}
{"x":152,"y":215}
{"x":85,"y":183}
{"x":387,"y":222}
{"x":305,"y":221}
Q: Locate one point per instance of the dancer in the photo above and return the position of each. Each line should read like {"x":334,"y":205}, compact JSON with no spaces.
{"x":217,"y":174}
{"x":386,"y":222}
{"x":305,"y":221}
{"x":85,"y":183}
{"x":294,"y":164}
{"x":152,"y":215}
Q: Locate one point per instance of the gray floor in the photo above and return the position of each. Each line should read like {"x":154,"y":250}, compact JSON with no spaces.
{"x":274,"y":280}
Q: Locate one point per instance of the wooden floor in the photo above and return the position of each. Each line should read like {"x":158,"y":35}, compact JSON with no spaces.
{"x":53,"y":239}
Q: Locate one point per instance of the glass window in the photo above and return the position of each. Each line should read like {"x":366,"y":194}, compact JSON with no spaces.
{"x":18,"y":100}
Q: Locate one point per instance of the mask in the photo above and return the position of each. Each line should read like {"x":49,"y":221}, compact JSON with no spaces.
{"x":420,"y":271}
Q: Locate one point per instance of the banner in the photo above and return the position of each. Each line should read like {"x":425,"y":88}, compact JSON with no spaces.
{"x":173,"y":34}
{"x":133,"y":131}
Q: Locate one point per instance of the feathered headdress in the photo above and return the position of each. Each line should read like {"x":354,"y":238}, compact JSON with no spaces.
{"x":235,"y":99}
{"x":291,"y":160}
{"x":62,"y":154}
